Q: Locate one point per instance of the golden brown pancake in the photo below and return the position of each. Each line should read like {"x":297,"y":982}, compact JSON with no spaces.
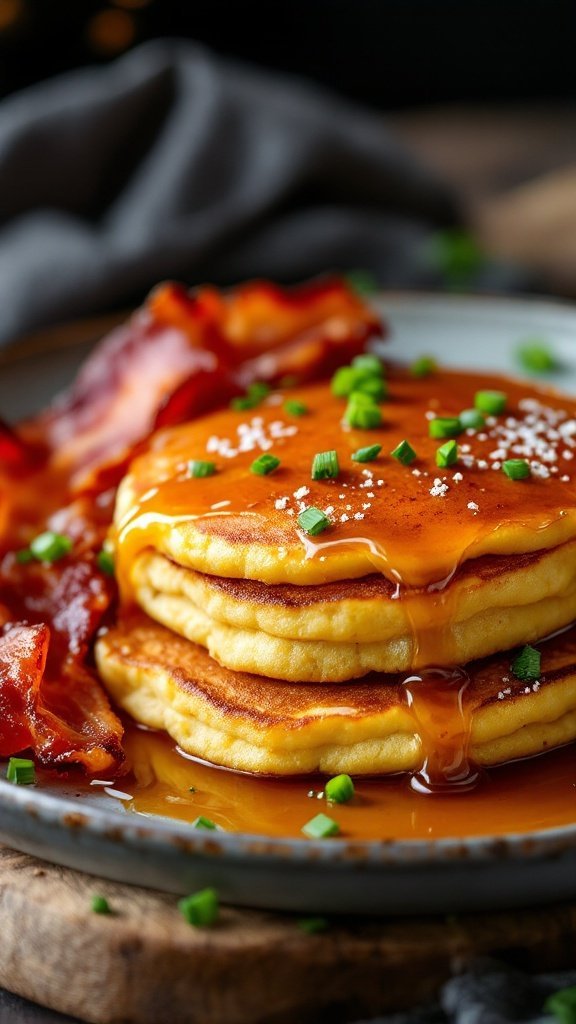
{"x":469,"y":560}
{"x":337,"y":631}
{"x":416,"y":524}
{"x":363,"y":727}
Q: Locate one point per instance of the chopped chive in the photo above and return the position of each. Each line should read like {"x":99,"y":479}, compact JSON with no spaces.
{"x":447,"y":454}
{"x":255,"y":392}
{"x":265,"y":464}
{"x":258,"y":390}
{"x":456,"y":256}
{"x":362,"y":413}
{"x":200,"y":908}
{"x":362,"y":281}
{"x":373,"y":386}
{"x":50,"y":547}
{"x":424,"y":366}
{"x":295,"y":408}
{"x":369,"y":363}
{"x":105,"y":562}
{"x":536,"y":356}
{"x":516,"y":469}
{"x":368,"y":454}
{"x":24,"y":556}
{"x":339,"y":790}
{"x":313,"y":521}
{"x":325,"y":466}
{"x":344,"y":381}
{"x":404,"y":453}
{"x":321,"y":827}
{"x":563,"y":1005}
{"x":491,"y":402}
{"x":526,"y":666}
{"x":243,"y":402}
{"x":198,"y":468}
{"x":202,"y":822}
{"x":313,"y":925}
{"x":472,"y":419}
{"x":100,"y":905}
{"x":21,"y":771}
{"x":445,"y":426}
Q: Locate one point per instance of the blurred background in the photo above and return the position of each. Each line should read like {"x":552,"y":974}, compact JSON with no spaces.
{"x":480,"y":95}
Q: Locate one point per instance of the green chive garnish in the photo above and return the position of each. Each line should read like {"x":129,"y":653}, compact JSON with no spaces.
{"x":491,"y":402}
{"x":447,"y":454}
{"x":563,"y":1005}
{"x":321,"y":827}
{"x":50,"y":547}
{"x":445,"y":426}
{"x":526,"y":666}
{"x":325,"y":466}
{"x":361,"y":281}
{"x":24,"y":556}
{"x":243,"y":402}
{"x":472,"y":419}
{"x":21,"y":771}
{"x":368,"y":363}
{"x":536,"y":357}
{"x":424,"y":366}
{"x":105,"y":562}
{"x":265,"y":464}
{"x":200,"y":909}
{"x":375,"y":387}
{"x":312,"y":925}
{"x":258,"y":390}
{"x":313,"y":521}
{"x":344,"y":381}
{"x":362,"y":412}
{"x":295,"y":408}
{"x":339,"y":790}
{"x":404,"y":453}
{"x":516,"y":469}
{"x":202,"y":822}
{"x":198,"y":468}
{"x":368,"y":454}
{"x":254,"y":394}
{"x":100,"y":905}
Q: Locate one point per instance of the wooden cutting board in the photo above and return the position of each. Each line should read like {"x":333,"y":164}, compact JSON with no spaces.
{"x":145,"y":965}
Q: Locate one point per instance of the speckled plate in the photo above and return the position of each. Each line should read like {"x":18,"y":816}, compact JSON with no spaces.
{"x":97,"y":834}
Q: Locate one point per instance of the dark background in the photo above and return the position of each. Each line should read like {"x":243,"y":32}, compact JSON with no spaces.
{"x":389,"y":54}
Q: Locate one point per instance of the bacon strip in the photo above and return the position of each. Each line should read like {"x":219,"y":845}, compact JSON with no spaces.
{"x":68,"y":721}
{"x":183,"y":353}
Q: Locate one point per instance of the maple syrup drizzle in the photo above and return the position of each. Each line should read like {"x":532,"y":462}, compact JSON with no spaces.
{"x":516,"y":798}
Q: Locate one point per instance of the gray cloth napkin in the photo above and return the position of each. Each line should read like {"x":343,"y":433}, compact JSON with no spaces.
{"x":171,"y":162}
{"x":489,"y":993}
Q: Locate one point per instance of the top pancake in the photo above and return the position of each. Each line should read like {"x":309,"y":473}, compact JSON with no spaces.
{"x":415,"y":524}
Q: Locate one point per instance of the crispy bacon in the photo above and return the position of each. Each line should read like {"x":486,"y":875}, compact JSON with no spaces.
{"x":64,"y":721}
{"x":185,"y":352}
{"x":13,"y":451}
{"x":181,"y":355}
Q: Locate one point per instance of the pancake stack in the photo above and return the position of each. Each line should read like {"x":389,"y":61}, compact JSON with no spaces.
{"x":354,"y":576}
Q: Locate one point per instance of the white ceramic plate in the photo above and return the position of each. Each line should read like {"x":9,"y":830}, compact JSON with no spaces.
{"x":97,"y":834}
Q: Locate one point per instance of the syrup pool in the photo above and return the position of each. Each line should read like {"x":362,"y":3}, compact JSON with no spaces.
{"x":515,"y":798}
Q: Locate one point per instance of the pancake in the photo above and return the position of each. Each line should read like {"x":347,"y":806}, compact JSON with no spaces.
{"x":415,"y":524}
{"x":337,"y":631}
{"x":470,"y":562}
{"x":379,"y":725}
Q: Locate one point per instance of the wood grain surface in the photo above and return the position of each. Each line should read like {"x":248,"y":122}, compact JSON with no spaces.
{"x":144,"y":964}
